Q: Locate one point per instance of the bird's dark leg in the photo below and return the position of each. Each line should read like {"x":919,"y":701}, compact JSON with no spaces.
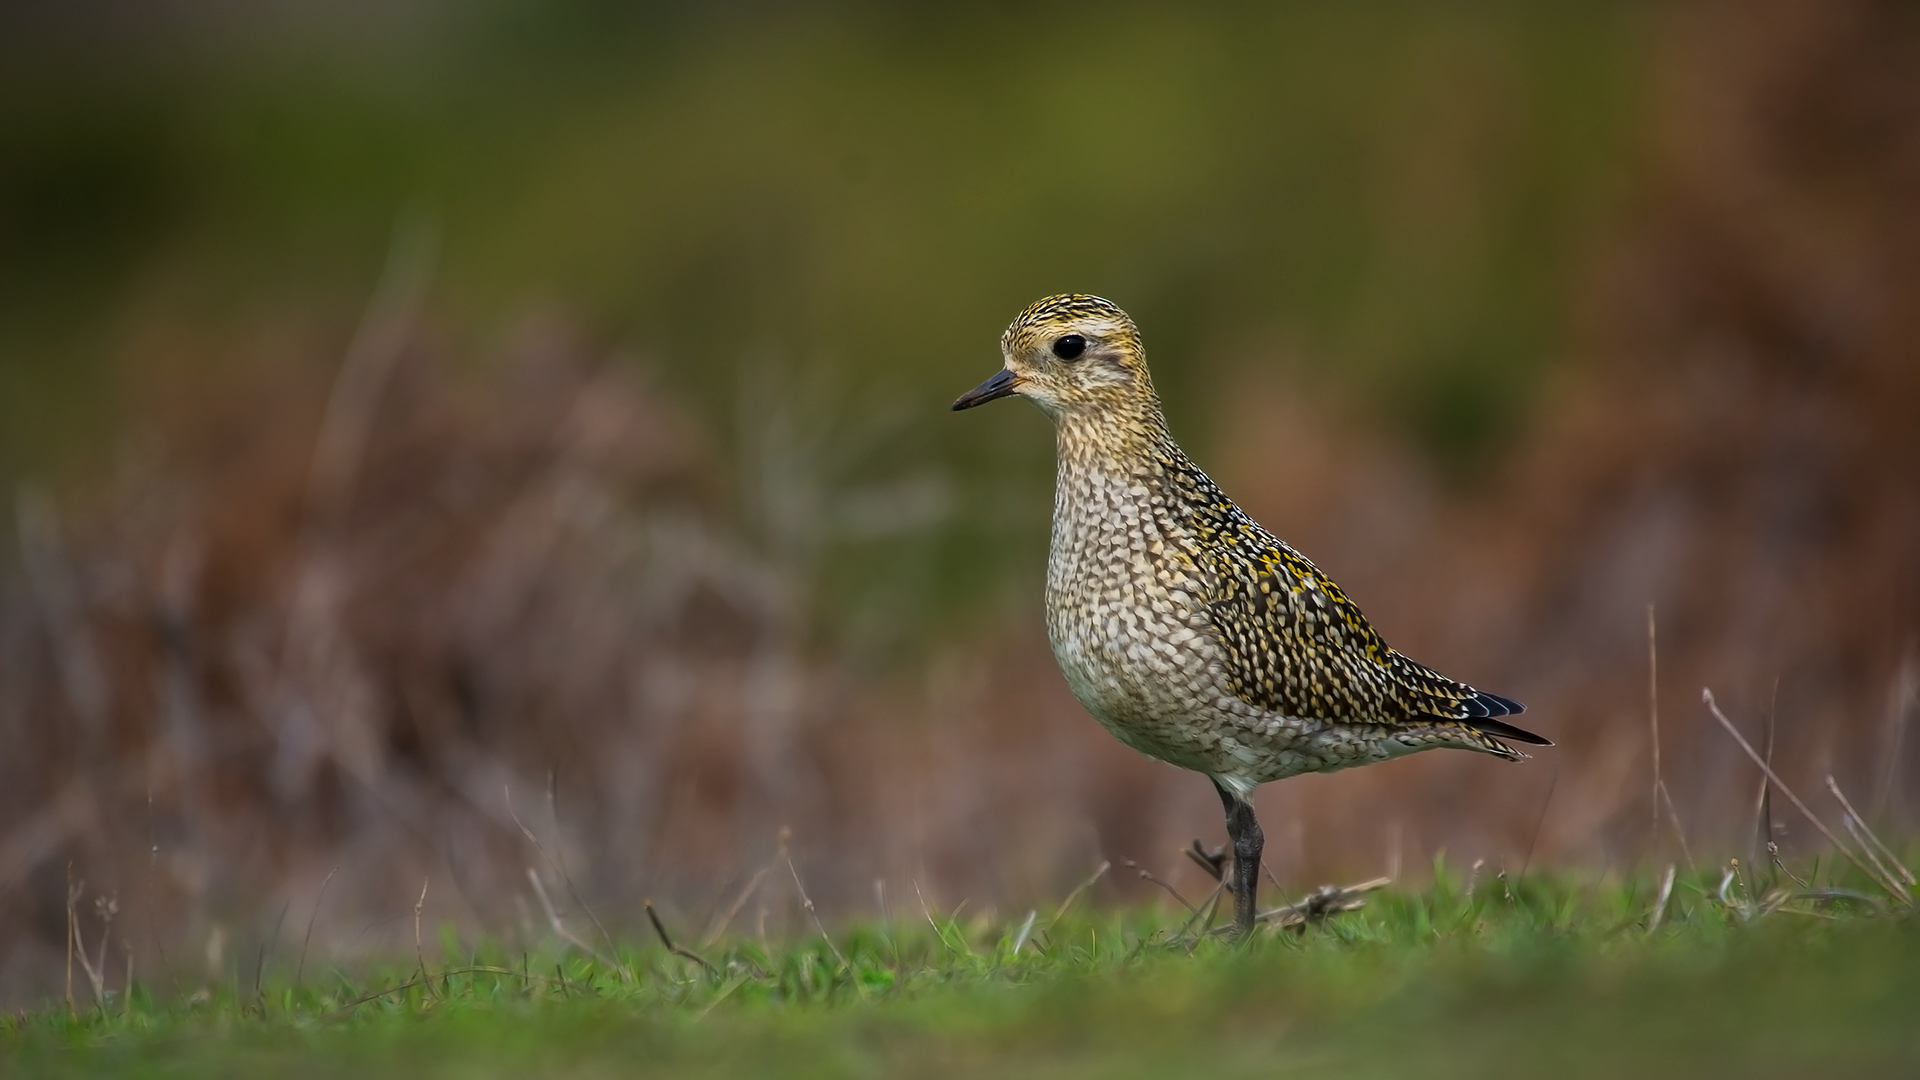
{"x":1245,"y":833}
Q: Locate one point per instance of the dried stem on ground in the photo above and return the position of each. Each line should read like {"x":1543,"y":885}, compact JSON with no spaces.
{"x":1322,"y":902}
{"x":1762,"y":831}
{"x":733,"y":910}
{"x":1212,"y":863}
{"x":1871,"y":841}
{"x":1903,"y":896}
{"x":560,"y":868}
{"x":450,"y":973}
{"x":1098,"y":873}
{"x":260,"y":957}
{"x":560,"y":860}
{"x":419,"y":949}
{"x":554,"y":920}
{"x":106,"y":908}
{"x":72,"y":1010}
{"x":300,"y":969}
{"x":676,"y":949}
{"x":1207,"y":908}
{"x":1147,"y":875}
{"x":1660,"y":793}
{"x":933,"y":922}
{"x":807,"y":903}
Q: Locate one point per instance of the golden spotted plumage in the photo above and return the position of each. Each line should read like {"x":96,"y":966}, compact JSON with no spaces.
{"x":1189,"y":631}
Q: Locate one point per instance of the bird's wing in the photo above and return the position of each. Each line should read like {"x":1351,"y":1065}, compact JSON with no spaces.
{"x":1296,"y":645}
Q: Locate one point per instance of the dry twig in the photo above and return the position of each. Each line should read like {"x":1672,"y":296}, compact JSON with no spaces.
{"x":72,"y":1010}
{"x":1773,"y":852}
{"x":560,"y":859}
{"x":559,"y":866}
{"x":1212,"y":863}
{"x":106,"y":908}
{"x":1904,"y":700}
{"x":260,"y":957}
{"x":807,"y":902}
{"x":1147,"y":875}
{"x":1322,"y":902}
{"x":301,"y":969}
{"x":1893,"y":889}
{"x":1866,"y":835}
{"x":419,"y":950}
{"x":1762,"y":800}
{"x":1854,"y":829}
{"x":1653,"y":712}
{"x":1726,"y":881}
{"x":1207,"y":908}
{"x":720,"y":925}
{"x":667,"y":940}
{"x":933,"y":922}
{"x":524,"y":976}
{"x":1098,"y":873}
{"x":559,"y":927}
{"x":1660,"y":791}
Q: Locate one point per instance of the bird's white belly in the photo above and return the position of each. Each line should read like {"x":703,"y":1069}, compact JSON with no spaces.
{"x":1134,"y":641}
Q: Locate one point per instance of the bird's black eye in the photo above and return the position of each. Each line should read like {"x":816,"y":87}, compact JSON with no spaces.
{"x":1069,"y":346}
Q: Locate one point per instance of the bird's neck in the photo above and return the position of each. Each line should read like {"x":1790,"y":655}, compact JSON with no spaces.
{"x":1119,"y":439}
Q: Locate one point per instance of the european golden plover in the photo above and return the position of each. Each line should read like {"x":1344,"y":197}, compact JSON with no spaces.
{"x":1190,"y":632}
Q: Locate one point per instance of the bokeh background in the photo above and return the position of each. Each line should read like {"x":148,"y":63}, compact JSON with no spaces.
{"x":435,"y":428}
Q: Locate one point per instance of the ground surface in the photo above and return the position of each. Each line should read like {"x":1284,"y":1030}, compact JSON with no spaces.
{"x":1555,"y":978}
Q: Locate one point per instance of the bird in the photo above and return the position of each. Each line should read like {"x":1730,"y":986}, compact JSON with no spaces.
{"x":1190,"y":632}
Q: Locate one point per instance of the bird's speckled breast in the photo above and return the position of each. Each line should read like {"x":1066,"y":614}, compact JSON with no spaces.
{"x":1127,"y":618}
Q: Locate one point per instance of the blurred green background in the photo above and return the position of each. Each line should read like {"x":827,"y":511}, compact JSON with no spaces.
{"x":818,"y":218}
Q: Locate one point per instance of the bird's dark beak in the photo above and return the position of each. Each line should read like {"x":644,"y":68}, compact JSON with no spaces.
{"x":1003,"y":384}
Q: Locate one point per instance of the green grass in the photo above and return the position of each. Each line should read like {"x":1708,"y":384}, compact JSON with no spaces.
{"x":1562,"y":978}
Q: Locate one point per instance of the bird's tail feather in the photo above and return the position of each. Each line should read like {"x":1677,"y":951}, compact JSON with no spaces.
{"x":1506,"y":731}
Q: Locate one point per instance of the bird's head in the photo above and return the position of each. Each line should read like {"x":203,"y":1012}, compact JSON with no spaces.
{"x":1072,"y":355}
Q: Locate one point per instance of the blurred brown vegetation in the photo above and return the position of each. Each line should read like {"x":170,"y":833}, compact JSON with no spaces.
{"x":364,"y":617}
